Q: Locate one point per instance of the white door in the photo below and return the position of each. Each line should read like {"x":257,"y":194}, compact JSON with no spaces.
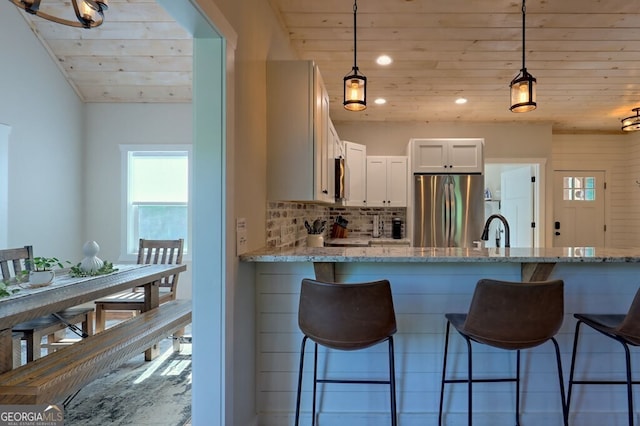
{"x":517,"y":205}
{"x":578,"y":208}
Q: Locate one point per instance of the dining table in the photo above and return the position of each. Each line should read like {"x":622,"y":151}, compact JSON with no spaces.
{"x":66,"y":291}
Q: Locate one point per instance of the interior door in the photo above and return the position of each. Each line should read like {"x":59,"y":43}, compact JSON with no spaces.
{"x":578,"y":208}
{"x":517,"y":205}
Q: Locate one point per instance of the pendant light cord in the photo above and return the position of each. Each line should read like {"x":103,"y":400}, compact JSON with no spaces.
{"x":524,"y":11}
{"x":355,"y":47}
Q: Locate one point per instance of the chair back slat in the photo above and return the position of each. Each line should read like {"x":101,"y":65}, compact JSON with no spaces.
{"x":164,"y":252}
{"x":14,"y":262}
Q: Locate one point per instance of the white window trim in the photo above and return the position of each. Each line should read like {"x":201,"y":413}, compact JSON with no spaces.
{"x":124,"y":202}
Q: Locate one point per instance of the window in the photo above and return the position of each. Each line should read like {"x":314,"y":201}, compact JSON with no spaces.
{"x":157,"y":194}
{"x":579,"y":188}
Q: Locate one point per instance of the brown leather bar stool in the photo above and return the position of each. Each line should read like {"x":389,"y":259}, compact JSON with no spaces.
{"x":346,"y":317}
{"x":624,"y":328}
{"x":511,"y":316}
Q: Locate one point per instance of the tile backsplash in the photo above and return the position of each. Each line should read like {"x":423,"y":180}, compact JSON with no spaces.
{"x":285,"y":221}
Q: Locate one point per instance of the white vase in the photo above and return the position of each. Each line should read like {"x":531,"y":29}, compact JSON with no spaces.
{"x":41,"y":278}
{"x":91,"y":262}
{"x":315,"y":240}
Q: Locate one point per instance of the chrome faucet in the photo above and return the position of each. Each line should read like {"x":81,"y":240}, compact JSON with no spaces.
{"x":485,"y":232}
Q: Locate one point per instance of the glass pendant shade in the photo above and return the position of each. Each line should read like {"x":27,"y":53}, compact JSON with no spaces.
{"x":523,"y":92}
{"x":355,"y":92}
{"x":631,"y":124}
{"x":88,"y":13}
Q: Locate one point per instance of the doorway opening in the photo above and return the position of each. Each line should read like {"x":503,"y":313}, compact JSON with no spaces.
{"x":514,"y":188}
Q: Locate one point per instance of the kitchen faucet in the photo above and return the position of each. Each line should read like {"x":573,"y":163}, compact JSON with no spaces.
{"x":485,"y":232}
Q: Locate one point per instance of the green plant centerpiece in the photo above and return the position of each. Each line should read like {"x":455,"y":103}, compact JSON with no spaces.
{"x":106,"y":268}
{"x":40,"y":264}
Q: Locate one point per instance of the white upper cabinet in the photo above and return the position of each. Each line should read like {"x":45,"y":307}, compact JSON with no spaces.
{"x":299,"y":159}
{"x":356,"y":173}
{"x":386,"y":181}
{"x":447,"y":155}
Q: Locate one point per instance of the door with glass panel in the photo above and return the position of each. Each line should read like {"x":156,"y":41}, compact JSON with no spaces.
{"x":578,"y":208}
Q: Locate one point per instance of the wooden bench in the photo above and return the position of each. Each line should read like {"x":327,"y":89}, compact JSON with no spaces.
{"x":54,"y":377}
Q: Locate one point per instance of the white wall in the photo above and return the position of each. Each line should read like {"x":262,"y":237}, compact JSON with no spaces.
{"x":110,"y":126}
{"x":45,"y":194}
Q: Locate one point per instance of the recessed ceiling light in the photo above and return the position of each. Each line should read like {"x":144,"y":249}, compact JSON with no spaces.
{"x":461,"y":101}
{"x":380,"y":101}
{"x":384,"y":60}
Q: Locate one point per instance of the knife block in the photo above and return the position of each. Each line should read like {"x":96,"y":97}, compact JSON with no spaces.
{"x":338,"y":231}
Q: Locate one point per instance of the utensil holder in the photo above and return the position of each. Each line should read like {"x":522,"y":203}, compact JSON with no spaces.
{"x":315,"y":240}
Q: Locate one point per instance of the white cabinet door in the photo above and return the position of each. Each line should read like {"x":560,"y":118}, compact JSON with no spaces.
{"x":376,"y":181}
{"x":386,"y":181}
{"x":465,"y":156}
{"x":397,"y":178}
{"x":429,"y":156}
{"x":356,"y":173}
{"x":324,"y":150}
{"x":298,"y":162}
{"x":447,"y":155}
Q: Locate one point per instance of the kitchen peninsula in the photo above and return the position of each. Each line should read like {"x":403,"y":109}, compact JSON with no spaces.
{"x":426,"y":283}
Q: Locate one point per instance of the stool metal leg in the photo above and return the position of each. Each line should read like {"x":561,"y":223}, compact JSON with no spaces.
{"x":627,"y":356}
{"x":573,"y":364}
{"x":304,"y":341}
{"x":444,"y":369}
{"x":315,"y":383}
{"x":392,"y":382}
{"x":565,"y":409}
{"x":518,"y":387}
{"x":469,"y":380}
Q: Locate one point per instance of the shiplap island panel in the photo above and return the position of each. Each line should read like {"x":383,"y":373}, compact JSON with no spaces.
{"x":426,"y":283}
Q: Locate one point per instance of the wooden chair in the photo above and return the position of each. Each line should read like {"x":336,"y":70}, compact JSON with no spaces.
{"x":149,"y":252}
{"x":14,"y":263}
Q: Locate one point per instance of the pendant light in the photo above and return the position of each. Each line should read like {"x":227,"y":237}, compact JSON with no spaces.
{"x":89,"y":13}
{"x":632,"y":123}
{"x":355,"y":85}
{"x":523,"y":87}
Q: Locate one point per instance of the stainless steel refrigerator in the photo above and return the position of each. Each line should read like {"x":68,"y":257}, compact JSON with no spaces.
{"x":448,"y":210}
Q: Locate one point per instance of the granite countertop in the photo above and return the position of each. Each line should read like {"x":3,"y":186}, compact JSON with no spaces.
{"x":432,"y":254}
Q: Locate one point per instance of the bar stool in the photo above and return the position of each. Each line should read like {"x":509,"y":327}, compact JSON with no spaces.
{"x":624,"y":328}
{"x":510,"y":316}
{"x":346,"y":317}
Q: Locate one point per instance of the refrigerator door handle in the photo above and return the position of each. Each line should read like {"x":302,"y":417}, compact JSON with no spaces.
{"x":447,"y":212}
{"x":452,"y":211}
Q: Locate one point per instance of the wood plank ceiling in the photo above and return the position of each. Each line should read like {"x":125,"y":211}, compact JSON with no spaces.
{"x":585,"y":55}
